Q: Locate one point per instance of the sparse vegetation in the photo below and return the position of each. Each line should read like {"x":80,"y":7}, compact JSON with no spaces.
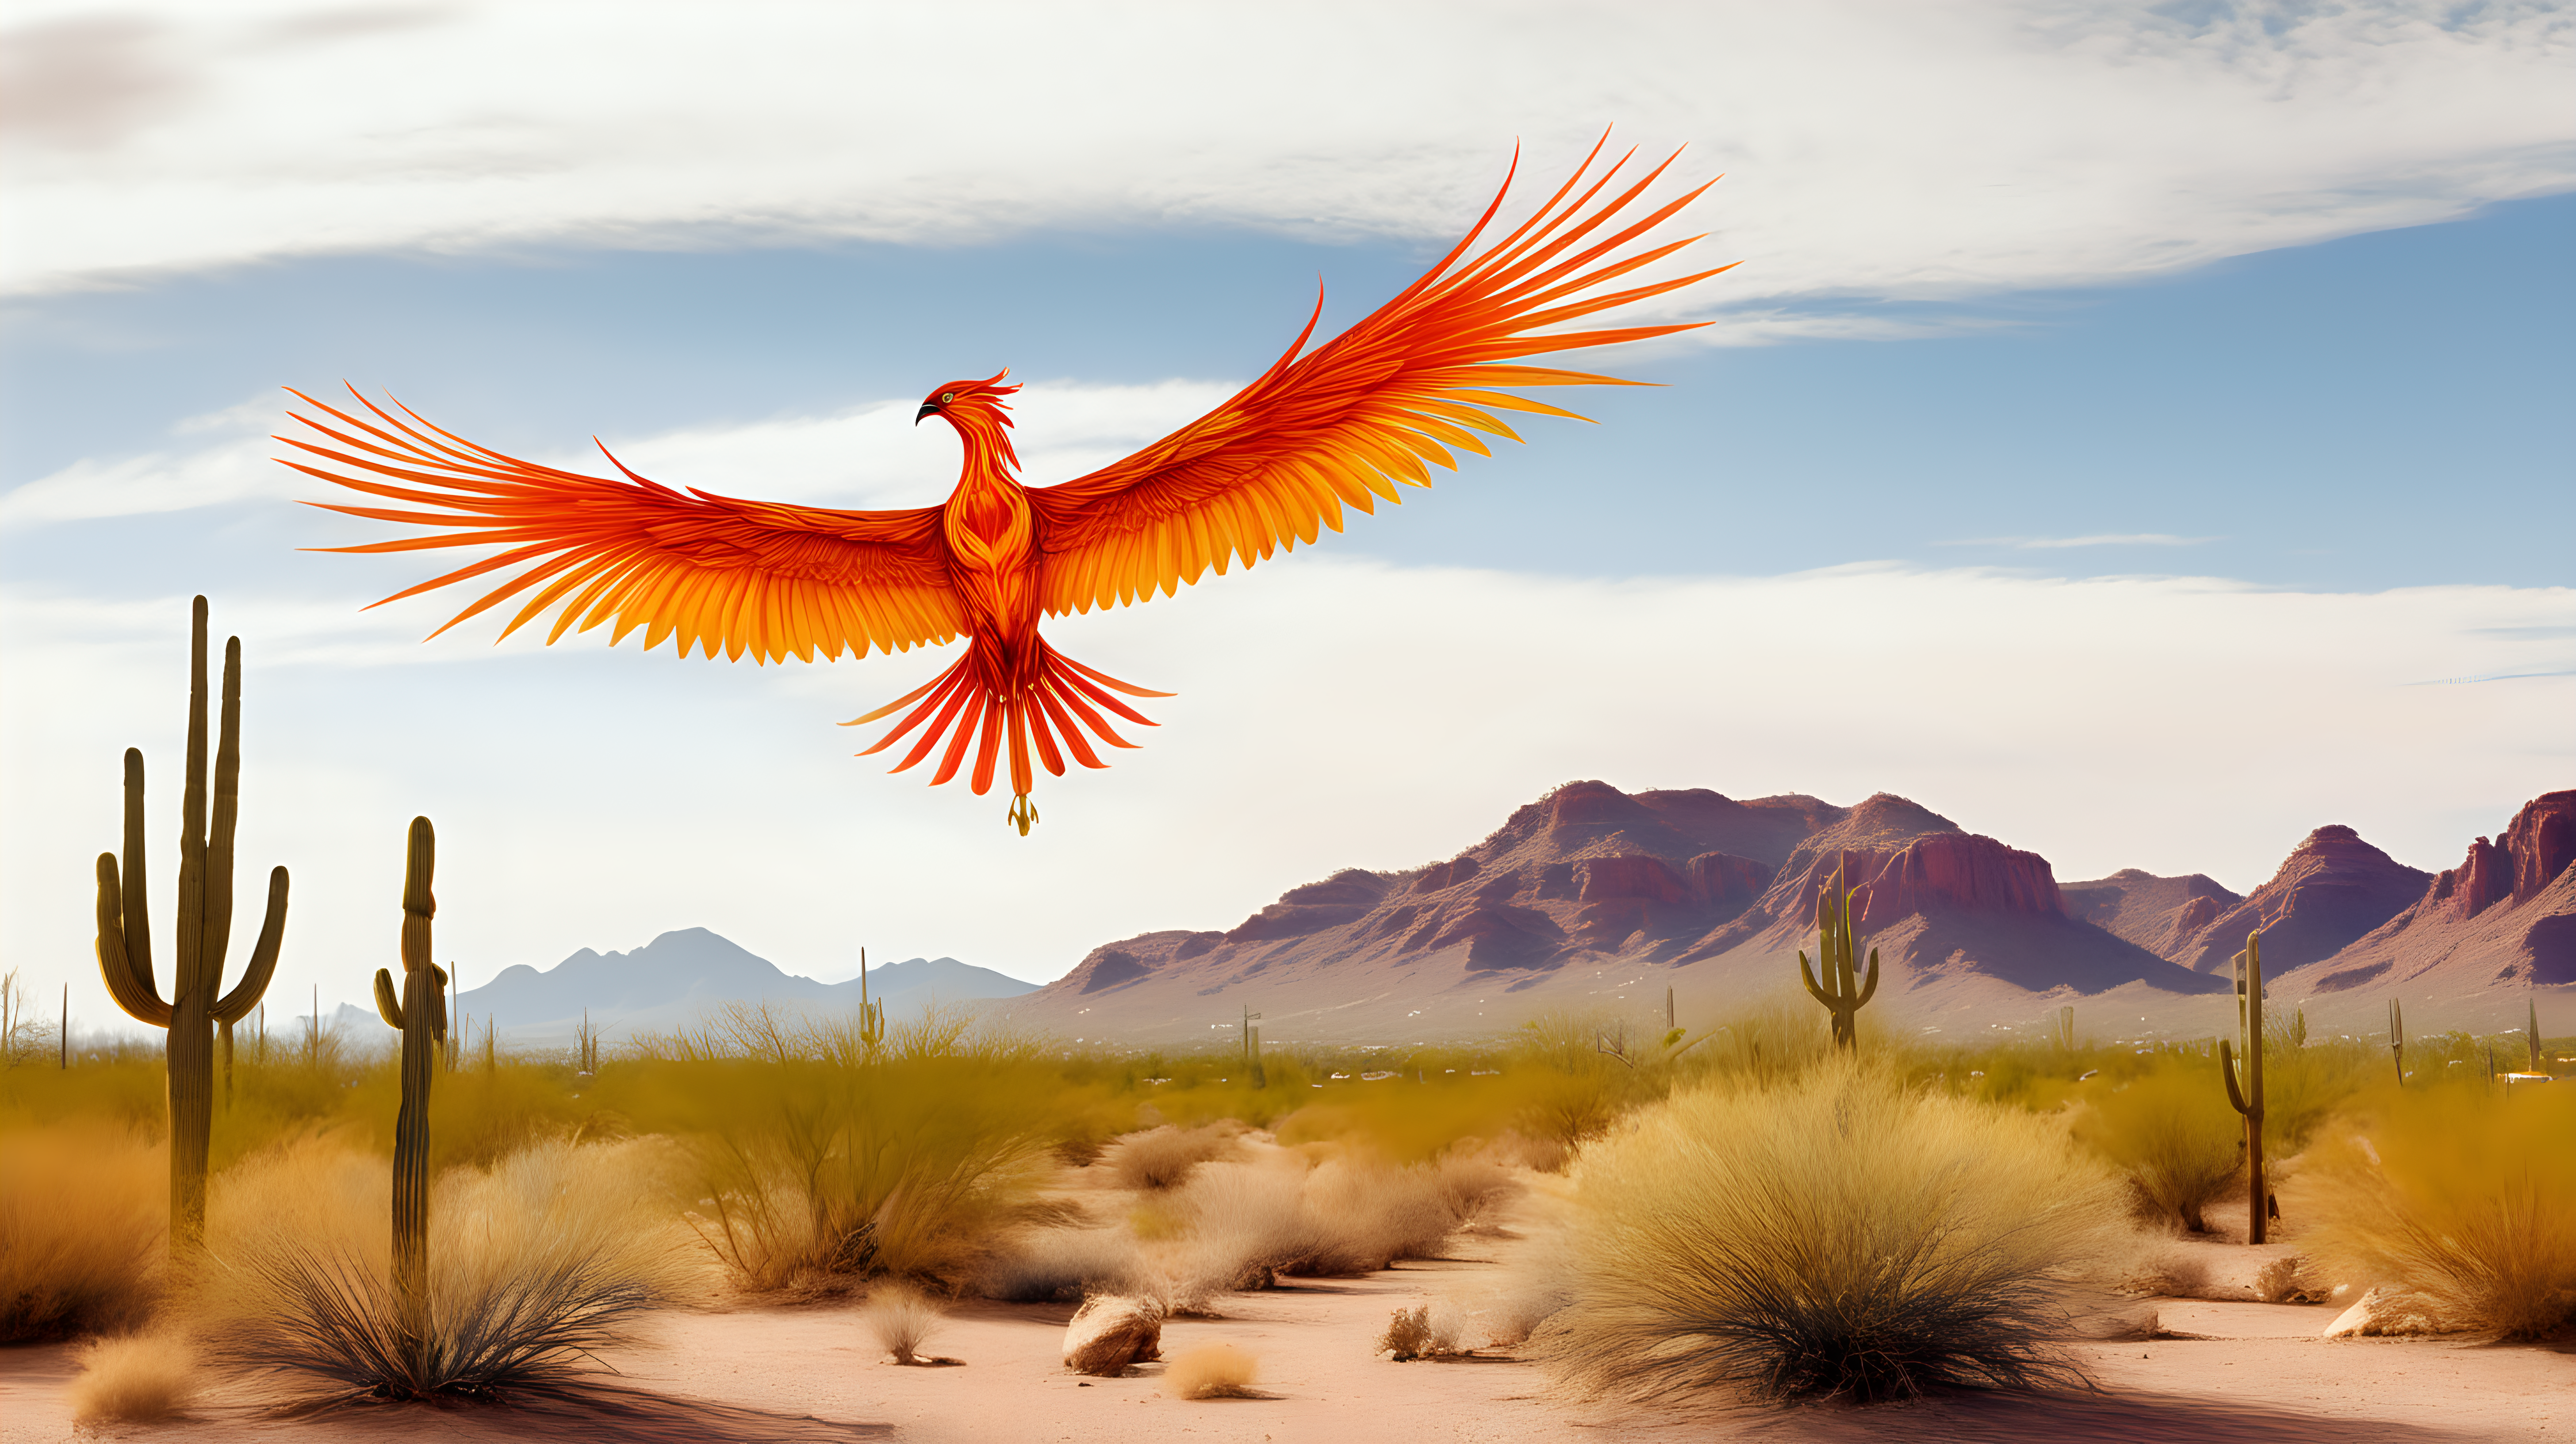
{"x":1210,"y":1371}
{"x":81,"y":1213}
{"x":2459,"y":1198}
{"x":2172,"y":1133}
{"x":135,"y":1379}
{"x":533,"y":1267}
{"x":1833,"y":1237}
{"x":901,"y":1319}
{"x":1852,"y":1231}
{"x":1424,"y":1331}
{"x":1163,"y":1157}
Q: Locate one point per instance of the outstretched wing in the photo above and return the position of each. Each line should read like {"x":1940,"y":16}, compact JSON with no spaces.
{"x":1350,"y":423}
{"x":732,"y":576}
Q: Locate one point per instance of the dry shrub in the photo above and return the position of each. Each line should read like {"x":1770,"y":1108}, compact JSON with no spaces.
{"x":2170,"y":1273}
{"x":1248,"y":1220}
{"x":822,"y":1157}
{"x":1039,"y":1265}
{"x":1427,"y":1331}
{"x":1473,"y":1186}
{"x":534,"y":1266}
{"x":901,"y":1319}
{"x":82,"y":1219}
{"x":1163,"y":1157}
{"x":1832,"y":1236}
{"x":138,"y":1379}
{"x":1273,"y":1215}
{"x":2175,"y":1136}
{"x":1362,"y":1214}
{"x":1210,"y":1371}
{"x":2458,"y":1198}
{"x":2289,"y":1279}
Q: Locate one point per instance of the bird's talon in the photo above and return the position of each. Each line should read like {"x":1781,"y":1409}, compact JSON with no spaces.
{"x":1023,"y":813}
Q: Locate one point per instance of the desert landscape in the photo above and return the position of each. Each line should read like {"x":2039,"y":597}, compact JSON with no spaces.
{"x":1129,"y":722}
{"x":1806,"y":1216}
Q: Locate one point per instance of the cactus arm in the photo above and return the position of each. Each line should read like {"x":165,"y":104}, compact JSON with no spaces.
{"x":115,"y":963}
{"x":137,"y":931}
{"x":187,"y":983}
{"x":419,"y":904}
{"x":388,"y":1007}
{"x":236,"y":1005}
{"x":438,"y":1020}
{"x":2227,"y":1070}
{"x":218,"y":921}
{"x":1807,"y":975}
{"x":1869,"y":989}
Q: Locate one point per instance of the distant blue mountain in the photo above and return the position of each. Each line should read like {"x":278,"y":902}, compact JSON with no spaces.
{"x":678,"y":976}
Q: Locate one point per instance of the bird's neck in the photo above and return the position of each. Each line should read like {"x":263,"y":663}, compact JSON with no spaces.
{"x":990,"y":459}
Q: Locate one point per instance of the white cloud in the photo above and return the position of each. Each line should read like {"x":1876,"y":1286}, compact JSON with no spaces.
{"x":867,"y":455}
{"x":1330,"y":713}
{"x":1883,"y":147}
{"x":2098,"y":539}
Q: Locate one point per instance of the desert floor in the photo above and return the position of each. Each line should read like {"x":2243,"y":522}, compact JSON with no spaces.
{"x":2205,"y":1371}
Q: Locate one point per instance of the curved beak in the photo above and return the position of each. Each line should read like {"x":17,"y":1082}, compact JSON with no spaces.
{"x":928,"y":408}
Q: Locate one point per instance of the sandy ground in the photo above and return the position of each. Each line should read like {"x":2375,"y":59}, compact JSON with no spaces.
{"x":2246,"y":1372}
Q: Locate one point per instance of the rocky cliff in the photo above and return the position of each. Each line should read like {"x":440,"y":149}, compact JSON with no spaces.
{"x":2333,"y":889}
{"x":2505,"y":917}
{"x":1590,"y":891}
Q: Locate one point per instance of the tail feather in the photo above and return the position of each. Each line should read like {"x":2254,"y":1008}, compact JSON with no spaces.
{"x":967,"y":706}
{"x":961,"y":733}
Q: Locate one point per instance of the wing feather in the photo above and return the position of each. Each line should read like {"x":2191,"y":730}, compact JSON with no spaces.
{"x":1369,"y":413}
{"x":715,"y":574}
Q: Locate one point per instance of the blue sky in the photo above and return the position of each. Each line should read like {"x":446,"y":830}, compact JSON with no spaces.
{"x":2150,"y":452}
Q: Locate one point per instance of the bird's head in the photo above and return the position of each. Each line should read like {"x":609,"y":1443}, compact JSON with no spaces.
{"x":964,"y":402}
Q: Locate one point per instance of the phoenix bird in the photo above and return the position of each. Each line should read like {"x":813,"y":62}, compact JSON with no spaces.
{"x":1347,"y":424}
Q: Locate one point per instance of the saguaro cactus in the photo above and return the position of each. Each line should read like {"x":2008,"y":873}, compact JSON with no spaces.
{"x":2248,"y":1098}
{"x":1836,"y":944}
{"x":203,"y":934}
{"x":421,"y":1015}
{"x":2066,"y":1027}
{"x":872,"y":1026}
{"x":2397,"y":1039}
{"x":2531,"y":1033}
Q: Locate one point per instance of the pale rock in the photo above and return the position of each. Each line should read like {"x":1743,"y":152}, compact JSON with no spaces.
{"x":1110,"y":1332}
{"x":2379,"y":1313}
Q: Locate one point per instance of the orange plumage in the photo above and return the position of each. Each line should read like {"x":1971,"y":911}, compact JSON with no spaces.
{"x":1345,"y":425}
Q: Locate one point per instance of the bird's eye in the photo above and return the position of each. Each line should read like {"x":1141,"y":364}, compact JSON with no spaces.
{"x":947,"y":396}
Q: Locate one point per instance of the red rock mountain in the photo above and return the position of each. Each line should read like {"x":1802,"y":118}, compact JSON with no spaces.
{"x":2331,"y":890}
{"x":2505,"y":916}
{"x":1591,"y":890}
{"x":2157,"y":913}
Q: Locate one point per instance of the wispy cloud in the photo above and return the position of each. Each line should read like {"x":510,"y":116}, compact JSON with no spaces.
{"x":2098,"y":539}
{"x":868,"y":454}
{"x":2493,"y":677}
{"x":1874,"y":147}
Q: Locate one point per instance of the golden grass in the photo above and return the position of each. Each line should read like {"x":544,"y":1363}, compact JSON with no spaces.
{"x":82,"y":1215}
{"x":1426,"y":1331}
{"x":1211,"y":1371}
{"x":136,"y":1379}
{"x":534,"y":1266}
{"x":901,"y":1319}
{"x":2457,"y":1196}
{"x":1830,"y":1237}
{"x":821,"y":1158}
{"x":2172,"y":1132}
{"x":1163,"y":1157}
